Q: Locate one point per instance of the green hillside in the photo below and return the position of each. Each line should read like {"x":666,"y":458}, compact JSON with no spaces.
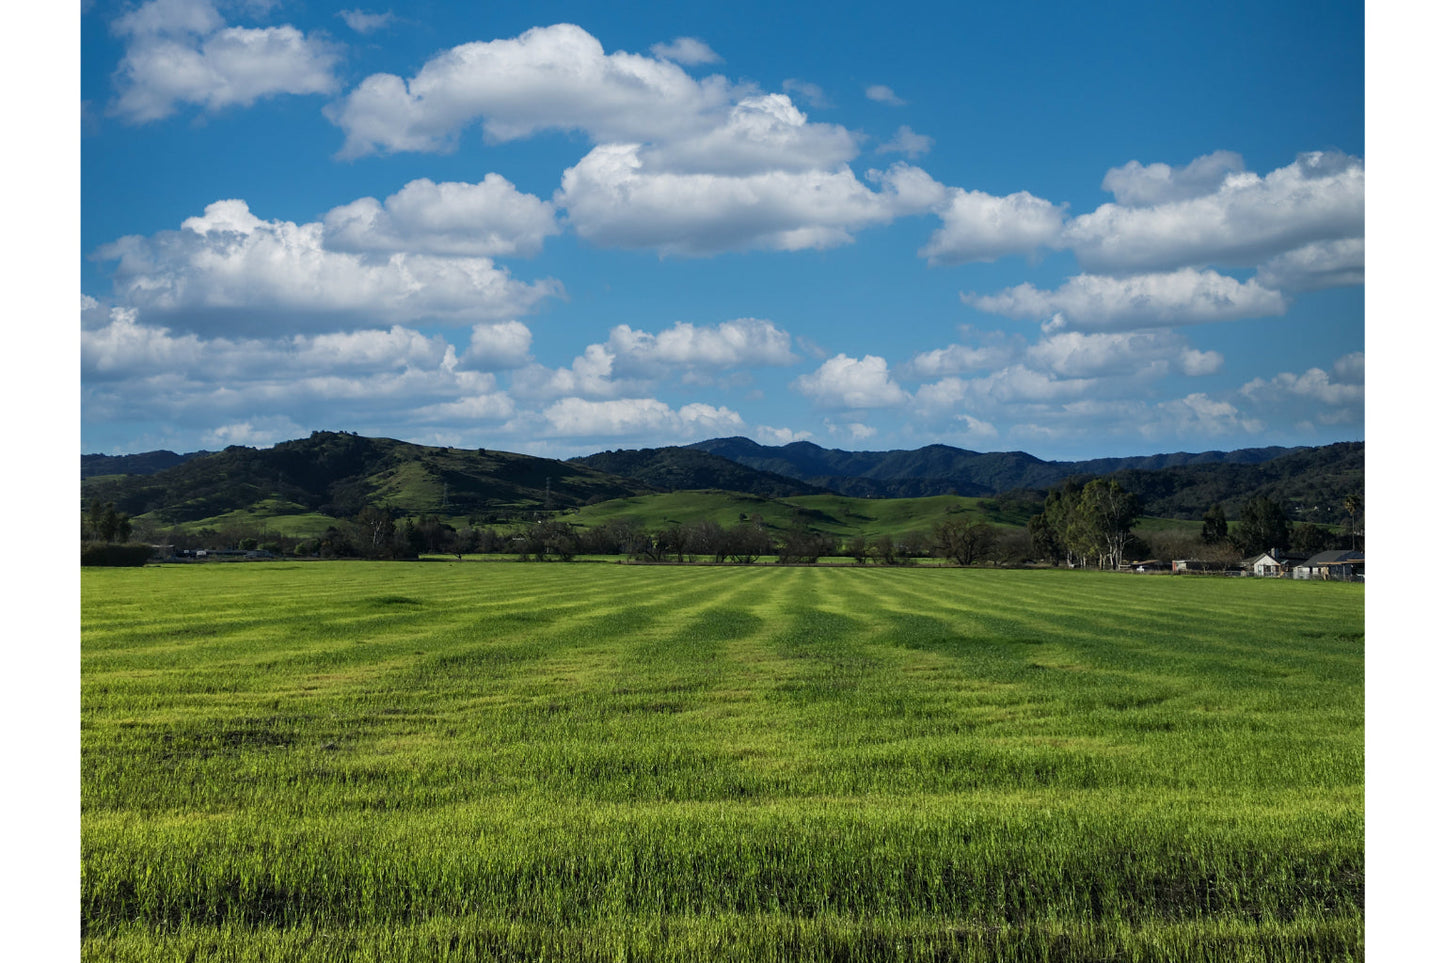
{"x":837,"y":515}
{"x":337,"y":474}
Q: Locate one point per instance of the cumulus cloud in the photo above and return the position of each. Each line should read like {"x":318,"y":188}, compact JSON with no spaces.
{"x":1138,"y":185}
{"x":260,"y":390}
{"x":731,"y":344}
{"x":1198,"y":414}
{"x":756,"y":135}
{"x":1100,"y":302}
{"x":767,"y":435}
{"x":501,"y":346}
{"x":632,"y":361}
{"x":1075,"y":355}
{"x":905,"y":141}
{"x":884,"y":95}
{"x":980,"y":227}
{"x":488,"y":219}
{"x":549,"y":78}
{"x":993,"y":351}
{"x":630,"y":417}
{"x":230,"y":266}
{"x":613,"y":200}
{"x":853,"y":431}
{"x":1345,"y":389}
{"x":1323,"y":264}
{"x":182,"y":52}
{"x":255,"y":433}
{"x":363,"y":22}
{"x":844,"y":382}
{"x":1243,"y":221}
{"x":686,"y":50}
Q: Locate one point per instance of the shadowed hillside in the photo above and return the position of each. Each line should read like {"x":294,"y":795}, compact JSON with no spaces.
{"x":337,"y":474}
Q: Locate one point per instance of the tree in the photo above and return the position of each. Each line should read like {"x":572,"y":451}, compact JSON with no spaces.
{"x":1355,"y":505}
{"x":1263,"y":526}
{"x":1043,"y":542}
{"x":1310,"y":538}
{"x":377,"y":528}
{"x":883,"y":550}
{"x":105,"y":523}
{"x":747,"y":542}
{"x":965,"y":539}
{"x":857,"y":549}
{"x":1216,"y":526}
{"x":1110,"y":512}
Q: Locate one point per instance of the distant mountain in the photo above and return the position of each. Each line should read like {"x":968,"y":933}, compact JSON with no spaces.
{"x":1311,"y":481}
{"x":687,"y":469}
{"x":337,"y":474}
{"x":146,"y":463}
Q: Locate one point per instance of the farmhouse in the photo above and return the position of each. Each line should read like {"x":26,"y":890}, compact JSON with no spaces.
{"x":1273,"y":563}
{"x":1345,"y":566}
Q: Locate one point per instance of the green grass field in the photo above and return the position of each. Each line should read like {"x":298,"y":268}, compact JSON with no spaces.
{"x":506,"y":761}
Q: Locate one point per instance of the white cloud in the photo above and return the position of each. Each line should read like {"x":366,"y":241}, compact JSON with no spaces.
{"x":1075,"y":355}
{"x":766,"y":435}
{"x":181,"y":52}
{"x":1351,"y":368}
{"x":844,"y":382}
{"x":549,"y":78}
{"x":501,"y":346}
{"x":1198,"y":414}
{"x":488,"y":219}
{"x":853,"y":431}
{"x":1099,"y":302}
{"x":1135,"y":185}
{"x":905,"y":141}
{"x":1314,"y":386}
{"x":482,"y":406}
{"x":811,"y":93}
{"x":884,"y":95}
{"x":745,"y":341}
{"x":981,"y":227}
{"x":364,"y":22}
{"x":632,"y":361}
{"x":978,"y":430}
{"x":1244,"y":221}
{"x":956,"y":359}
{"x":756,"y":135}
{"x":591,"y":375}
{"x":628,"y":417}
{"x":686,"y":50}
{"x":256,"y":433}
{"x":1323,"y":264}
{"x":261,"y":390}
{"x":228,"y":265}
{"x":1016,"y":383}
{"x":612,"y":200}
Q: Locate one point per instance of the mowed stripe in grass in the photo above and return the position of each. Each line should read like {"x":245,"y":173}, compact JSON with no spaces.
{"x":498,"y":760}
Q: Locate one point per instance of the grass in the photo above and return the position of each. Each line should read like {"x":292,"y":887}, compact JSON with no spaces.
{"x":837,"y":515}
{"x":458,"y":760}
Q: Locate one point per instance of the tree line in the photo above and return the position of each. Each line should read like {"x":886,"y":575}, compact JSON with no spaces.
{"x":1082,"y":526}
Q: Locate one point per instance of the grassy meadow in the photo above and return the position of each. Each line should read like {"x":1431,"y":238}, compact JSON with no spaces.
{"x":506,"y":761}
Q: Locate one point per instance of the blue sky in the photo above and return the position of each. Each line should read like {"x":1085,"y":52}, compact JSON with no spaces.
{"x":559,"y":228}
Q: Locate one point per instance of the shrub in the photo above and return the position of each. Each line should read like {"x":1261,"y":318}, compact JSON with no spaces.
{"x":110,"y":553}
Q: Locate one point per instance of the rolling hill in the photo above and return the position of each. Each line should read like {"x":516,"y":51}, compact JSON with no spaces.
{"x":312,"y":481}
{"x":689,"y":469}
{"x":944,"y":470}
{"x":337,"y":474}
